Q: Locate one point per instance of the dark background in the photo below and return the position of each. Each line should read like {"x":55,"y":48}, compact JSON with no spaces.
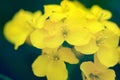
{"x":17,"y":64}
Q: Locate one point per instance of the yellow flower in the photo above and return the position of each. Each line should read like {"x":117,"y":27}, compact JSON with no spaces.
{"x":104,"y":44}
{"x":20,"y":27}
{"x":96,"y":71}
{"x":97,"y":19}
{"x":53,"y":34}
{"x":63,"y":24}
{"x":105,"y":36}
{"x":77,"y":34}
{"x":48,"y":36}
{"x":51,"y":63}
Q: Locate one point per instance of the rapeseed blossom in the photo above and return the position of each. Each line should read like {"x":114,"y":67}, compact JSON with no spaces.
{"x":51,"y":63}
{"x":21,"y":26}
{"x":105,"y":37}
{"x":62,"y":26}
{"x":96,"y":71}
{"x":17,"y":29}
{"x":105,"y":46}
{"x":86,"y":31}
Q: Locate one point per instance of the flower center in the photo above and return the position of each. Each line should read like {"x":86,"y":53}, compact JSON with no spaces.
{"x":56,"y":58}
{"x":101,"y":38}
{"x":94,"y":77}
{"x":64,"y":30}
{"x":64,"y":33}
{"x":100,"y":41}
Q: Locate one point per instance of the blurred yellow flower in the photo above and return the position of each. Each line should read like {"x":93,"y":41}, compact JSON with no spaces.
{"x":97,"y":20}
{"x":51,"y":63}
{"x":89,"y":31}
{"x":19,"y":28}
{"x":105,"y":36}
{"x":95,"y":71}
{"x":104,"y":45}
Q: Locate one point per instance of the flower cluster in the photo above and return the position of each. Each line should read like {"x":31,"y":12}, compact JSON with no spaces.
{"x":88,"y":31}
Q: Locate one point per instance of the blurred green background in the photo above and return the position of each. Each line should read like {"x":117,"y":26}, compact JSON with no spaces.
{"x":17,"y":64}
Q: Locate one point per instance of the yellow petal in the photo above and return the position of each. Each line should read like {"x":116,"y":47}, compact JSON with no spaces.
{"x":90,"y":67}
{"x":22,"y":16}
{"x":48,"y":9}
{"x":98,"y":64}
{"x":37,"y":20}
{"x":87,"y":68}
{"x":95,"y":26}
{"x":108,"y":56}
{"x":75,"y":21}
{"x":41,"y":21}
{"x":67,"y":55}
{"x":80,"y":6}
{"x":41,"y":39}
{"x":54,"y":41}
{"x":89,"y":48}
{"x":100,"y":13}
{"x":73,"y":6}
{"x":109,"y":75}
{"x":49,"y":51}
{"x":78,"y":37}
{"x":110,"y":39}
{"x":98,"y":70}
{"x":16,"y":33}
{"x":54,"y":12}
{"x":112,"y":27}
{"x":37,"y":14}
{"x":57,"y":71}
{"x":67,"y":6}
{"x":54,"y":37}
{"x":39,"y":66}
{"x":37,"y":38}
{"x":57,"y":17}
{"x":17,"y":30}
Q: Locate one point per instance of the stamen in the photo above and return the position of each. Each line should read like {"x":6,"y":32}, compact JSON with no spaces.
{"x":94,"y":77}
{"x":55,"y":58}
{"x":64,"y":33}
{"x":101,"y":38}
